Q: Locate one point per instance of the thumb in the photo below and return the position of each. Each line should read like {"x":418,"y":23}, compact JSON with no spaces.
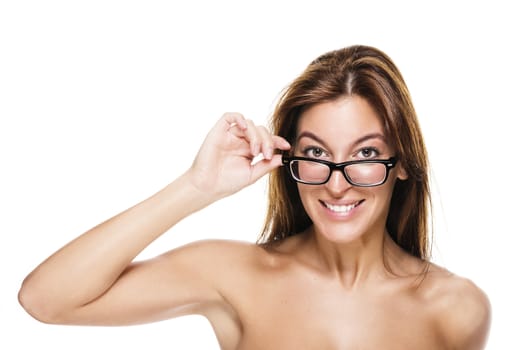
{"x":264,"y":166}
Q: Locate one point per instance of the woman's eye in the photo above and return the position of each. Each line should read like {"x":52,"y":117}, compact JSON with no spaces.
{"x":368,"y":153}
{"x":314,"y":152}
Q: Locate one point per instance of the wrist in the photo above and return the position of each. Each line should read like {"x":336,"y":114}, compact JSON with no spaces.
{"x":189,"y":189}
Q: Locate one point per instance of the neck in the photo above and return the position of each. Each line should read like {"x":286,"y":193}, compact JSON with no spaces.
{"x":354,"y":262}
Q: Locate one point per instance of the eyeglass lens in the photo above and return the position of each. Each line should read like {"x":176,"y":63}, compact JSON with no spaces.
{"x":360,"y":173}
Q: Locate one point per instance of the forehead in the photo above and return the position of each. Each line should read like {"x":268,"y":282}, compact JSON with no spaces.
{"x":347,"y":118}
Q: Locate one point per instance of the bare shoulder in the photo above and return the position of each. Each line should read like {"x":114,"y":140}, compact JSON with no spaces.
{"x":228,"y":251}
{"x":218,"y":259}
{"x":213,"y":252}
{"x":214,"y":245}
{"x":462,"y":309}
{"x":214,"y":265}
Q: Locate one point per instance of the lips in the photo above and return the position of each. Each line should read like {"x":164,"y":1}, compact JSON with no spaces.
{"x":341,"y":208}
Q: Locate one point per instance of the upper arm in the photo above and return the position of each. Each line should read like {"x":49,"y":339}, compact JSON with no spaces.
{"x":466,"y":316}
{"x":183,"y":281}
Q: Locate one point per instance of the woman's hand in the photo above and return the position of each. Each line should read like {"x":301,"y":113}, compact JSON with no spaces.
{"x":226,"y":162}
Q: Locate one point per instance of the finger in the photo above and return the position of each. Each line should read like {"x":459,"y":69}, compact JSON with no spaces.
{"x":273,"y":144}
{"x":232,"y":119}
{"x":264,"y":166}
{"x":280,"y":143}
{"x":254,"y":139}
{"x":267,"y":142}
{"x":238,"y":131}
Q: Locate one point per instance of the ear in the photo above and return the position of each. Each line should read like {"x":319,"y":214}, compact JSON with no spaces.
{"x":401,"y":173}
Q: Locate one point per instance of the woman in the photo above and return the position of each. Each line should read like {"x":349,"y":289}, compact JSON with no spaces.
{"x":343,"y":262}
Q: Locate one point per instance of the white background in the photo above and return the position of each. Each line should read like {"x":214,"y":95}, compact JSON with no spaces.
{"x":102,"y":103}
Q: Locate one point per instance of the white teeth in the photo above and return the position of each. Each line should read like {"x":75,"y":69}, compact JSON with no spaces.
{"x":341,"y":208}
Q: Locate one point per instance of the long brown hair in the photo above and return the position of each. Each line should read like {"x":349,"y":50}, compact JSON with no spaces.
{"x":369,"y":73}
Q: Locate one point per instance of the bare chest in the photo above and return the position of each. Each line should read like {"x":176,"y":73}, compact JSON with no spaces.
{"x":297,"y":318}
{"x":337,"y":329}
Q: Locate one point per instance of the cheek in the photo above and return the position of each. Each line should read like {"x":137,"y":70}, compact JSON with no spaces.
{"x":308,"y":195}
{"x":384,"y":193}
{"x":304,"y":191}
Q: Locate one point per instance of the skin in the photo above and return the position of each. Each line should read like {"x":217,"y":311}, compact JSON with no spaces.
{"x":328,"y":287}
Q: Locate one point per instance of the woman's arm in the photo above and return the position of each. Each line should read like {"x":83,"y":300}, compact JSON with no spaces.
{"x":92,"y":279}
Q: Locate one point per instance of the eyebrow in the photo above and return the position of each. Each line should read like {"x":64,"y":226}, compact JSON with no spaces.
{"x":374,"y":135}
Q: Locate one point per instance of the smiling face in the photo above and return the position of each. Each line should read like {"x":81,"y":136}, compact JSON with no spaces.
{"x":344,"y":130}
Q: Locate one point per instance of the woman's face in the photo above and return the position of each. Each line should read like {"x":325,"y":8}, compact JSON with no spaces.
{"x":338,"y":131}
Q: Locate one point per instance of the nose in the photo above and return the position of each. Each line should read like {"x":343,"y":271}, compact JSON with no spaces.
{"x":337,"y":183}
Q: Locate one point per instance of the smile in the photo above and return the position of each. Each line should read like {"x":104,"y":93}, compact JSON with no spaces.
{"x":341,"y":209}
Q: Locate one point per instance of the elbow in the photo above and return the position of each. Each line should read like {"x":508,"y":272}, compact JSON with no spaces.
{"x":35,"y":304}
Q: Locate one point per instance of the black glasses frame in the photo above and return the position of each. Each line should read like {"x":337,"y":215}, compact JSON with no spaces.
{"x":388,"y":163}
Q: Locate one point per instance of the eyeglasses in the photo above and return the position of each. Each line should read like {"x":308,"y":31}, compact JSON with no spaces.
{"x":362,"y":173}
